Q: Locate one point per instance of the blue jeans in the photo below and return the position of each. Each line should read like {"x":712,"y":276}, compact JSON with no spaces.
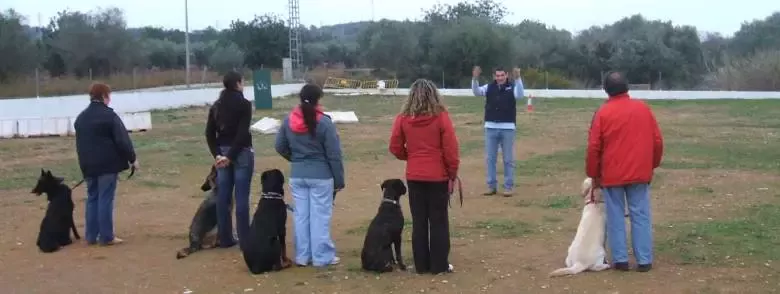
{"x":313,"y":200}
{"x":638,"y":196}
{"x":237,"y":175}
{"x":100,"y":208}
{"x":504,"y":138}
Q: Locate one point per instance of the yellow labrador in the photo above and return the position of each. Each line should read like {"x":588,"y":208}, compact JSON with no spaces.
{"x":587,"y":249}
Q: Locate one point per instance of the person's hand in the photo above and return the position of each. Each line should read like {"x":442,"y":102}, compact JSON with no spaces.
{"x":516,"y":73}
{"x":476,"y":71}
{"x":135,"y":165}
{"x":596,"y":183}
{"x":451,"y":185}
{"x":221,"y":161}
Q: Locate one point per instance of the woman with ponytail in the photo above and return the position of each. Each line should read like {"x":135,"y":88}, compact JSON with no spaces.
{"x":229,"y":140}
{"x":310,"y":142}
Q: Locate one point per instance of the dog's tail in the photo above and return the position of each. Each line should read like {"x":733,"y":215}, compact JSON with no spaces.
{"x":573,"y":270}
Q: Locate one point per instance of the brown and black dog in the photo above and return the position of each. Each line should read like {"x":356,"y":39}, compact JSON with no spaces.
{"x":204,"y":224}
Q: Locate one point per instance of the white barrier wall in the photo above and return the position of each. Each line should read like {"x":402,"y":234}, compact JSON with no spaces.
{"x":63,"y":126}
{"x":67,"y":106}
{"x":541,"y":93}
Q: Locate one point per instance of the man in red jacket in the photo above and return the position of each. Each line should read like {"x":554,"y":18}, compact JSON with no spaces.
{"x":624,"y":147}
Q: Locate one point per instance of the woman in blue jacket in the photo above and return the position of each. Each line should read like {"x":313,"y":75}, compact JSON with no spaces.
{"x":310,"y":142}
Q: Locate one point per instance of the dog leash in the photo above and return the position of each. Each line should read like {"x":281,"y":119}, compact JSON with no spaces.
{"x":460,"y":192}
{"x":132,"y":172}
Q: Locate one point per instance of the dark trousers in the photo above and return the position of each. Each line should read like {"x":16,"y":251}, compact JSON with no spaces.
{"x":430,"y":225}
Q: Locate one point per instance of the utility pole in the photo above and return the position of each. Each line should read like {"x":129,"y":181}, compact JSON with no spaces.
{"x":187,"y":43}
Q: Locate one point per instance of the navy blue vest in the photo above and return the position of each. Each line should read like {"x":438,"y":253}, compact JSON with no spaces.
{"x":500,"y":104}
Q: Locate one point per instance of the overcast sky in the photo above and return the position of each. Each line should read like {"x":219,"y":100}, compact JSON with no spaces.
{"x":574,"y":15}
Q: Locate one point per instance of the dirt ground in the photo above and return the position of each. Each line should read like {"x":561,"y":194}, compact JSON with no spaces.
{"x":499,"y":245}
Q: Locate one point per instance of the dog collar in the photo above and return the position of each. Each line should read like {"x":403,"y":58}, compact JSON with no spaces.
{"x":272,"y":195}
{"x":390,"y":201}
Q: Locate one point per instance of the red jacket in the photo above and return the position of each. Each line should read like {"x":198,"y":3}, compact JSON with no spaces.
{"x":624,"y":143}
{"x":429,"y":146}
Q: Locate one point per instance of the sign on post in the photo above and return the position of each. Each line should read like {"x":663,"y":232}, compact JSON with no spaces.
{"x":261,"y":82}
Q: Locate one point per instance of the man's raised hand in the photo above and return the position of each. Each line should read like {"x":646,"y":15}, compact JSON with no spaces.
{"x":476,"y":71}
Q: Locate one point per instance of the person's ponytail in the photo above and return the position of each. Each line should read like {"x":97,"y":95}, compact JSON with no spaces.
{"x":310,"y":96}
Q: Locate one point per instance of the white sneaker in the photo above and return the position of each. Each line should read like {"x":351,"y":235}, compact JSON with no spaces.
{"x":450,"y":268}
{"x":336,"y":260}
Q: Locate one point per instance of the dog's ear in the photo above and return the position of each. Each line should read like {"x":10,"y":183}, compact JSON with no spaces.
{"x":42,"y":172}
{"x":263,"y":176}
{"x":212,"y":176}
{"x":48,"y":174}
{"x":383,"y":186}
{"x":399,"y":186}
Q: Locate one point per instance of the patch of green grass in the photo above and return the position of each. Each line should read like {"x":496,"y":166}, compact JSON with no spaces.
{"x":21,"y":177}
{"x":551,"y":219}
{"x":702,"y":190}
{"x":559,"y":202}
{"x":523,"y":203}
{"x":723,"y":155}
{"x":505,"y":228}
{"x":754,"y":237}
{"x":362,"y":229}
{"x":157,"y":184}
{"x":554,"y":163}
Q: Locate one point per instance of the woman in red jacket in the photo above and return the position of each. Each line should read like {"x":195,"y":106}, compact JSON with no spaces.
{"x":424,"y":137}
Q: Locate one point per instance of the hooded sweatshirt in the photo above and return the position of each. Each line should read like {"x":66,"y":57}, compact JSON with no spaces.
{"x":428,"y":145}
{"x":317,"y":157}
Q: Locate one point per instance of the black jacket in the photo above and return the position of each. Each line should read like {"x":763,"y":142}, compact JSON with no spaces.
{"x":102,"y":143}
{"x":228,"y":124}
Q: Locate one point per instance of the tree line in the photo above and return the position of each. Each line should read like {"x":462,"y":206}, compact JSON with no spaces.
{"x":442,"y":46}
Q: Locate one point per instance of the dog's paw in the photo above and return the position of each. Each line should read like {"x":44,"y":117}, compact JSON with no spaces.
{"x":286,"y":262}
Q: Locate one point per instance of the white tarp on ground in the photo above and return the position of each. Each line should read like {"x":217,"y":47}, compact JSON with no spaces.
{"x":266,"y":125}
{"x":342,"y":116}
{"x":269,"y":125}
{"x":63,"y":126}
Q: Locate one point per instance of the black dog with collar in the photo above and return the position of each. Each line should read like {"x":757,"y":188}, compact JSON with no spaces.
{"x":58,"y":222}
{"x":384,"y":233}
{"x":265,"y":248}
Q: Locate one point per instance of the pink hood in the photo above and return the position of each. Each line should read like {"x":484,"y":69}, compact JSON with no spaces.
{"x":296,"y":119}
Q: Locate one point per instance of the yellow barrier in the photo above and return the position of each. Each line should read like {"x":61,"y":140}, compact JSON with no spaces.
{"x":339,"y":83}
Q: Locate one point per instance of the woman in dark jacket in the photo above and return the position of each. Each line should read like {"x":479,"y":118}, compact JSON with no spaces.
{"x":104,"y":149}
{"x":424,"y":137}
{"x":229,"y":140}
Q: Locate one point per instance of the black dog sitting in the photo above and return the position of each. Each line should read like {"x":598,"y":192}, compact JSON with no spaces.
{"x":385,"y":230}
{"x":265,"y":249}
{"x":203,"y":227}
{"x":58,"y":222}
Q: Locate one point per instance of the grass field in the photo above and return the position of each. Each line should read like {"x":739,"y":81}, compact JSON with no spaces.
{"x":715,"y":199}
